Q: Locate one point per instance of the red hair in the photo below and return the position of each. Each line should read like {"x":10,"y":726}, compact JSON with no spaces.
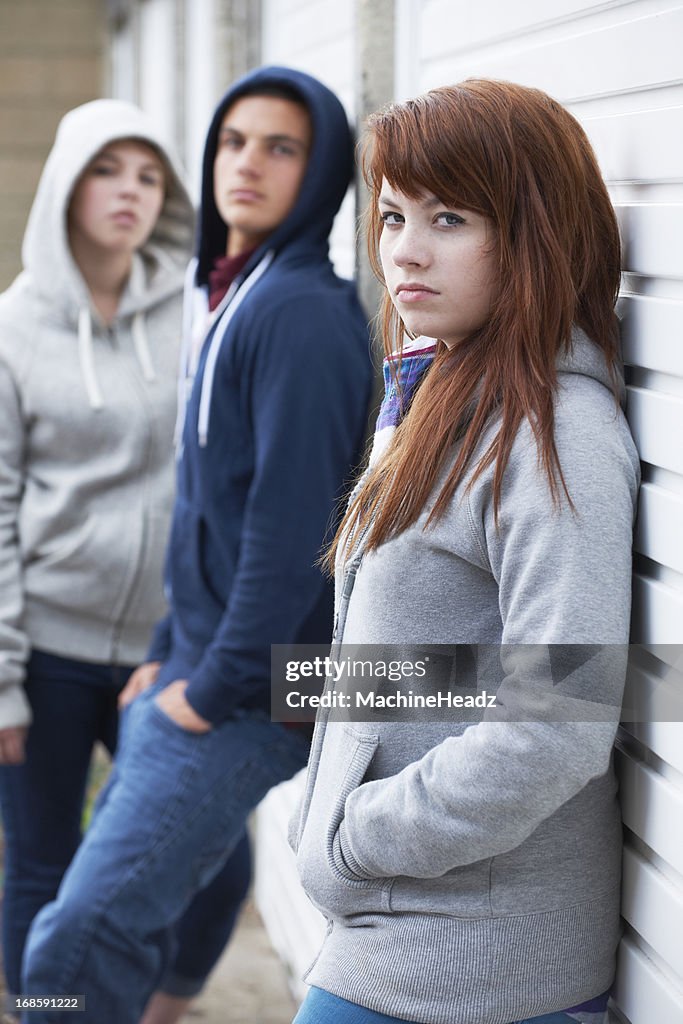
{"x":518,"y":157}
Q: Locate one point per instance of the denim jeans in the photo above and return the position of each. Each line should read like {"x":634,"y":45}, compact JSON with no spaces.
{"x":173,"y":810}
{"x":320,"y":1007}
{"x":74,"y":705}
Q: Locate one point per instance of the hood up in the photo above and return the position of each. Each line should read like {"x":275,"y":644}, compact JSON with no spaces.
{"x":327,"y":177}
{"x":158,"y":270}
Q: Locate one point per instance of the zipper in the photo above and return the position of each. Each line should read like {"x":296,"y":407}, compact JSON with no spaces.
{"x":117,"y":630}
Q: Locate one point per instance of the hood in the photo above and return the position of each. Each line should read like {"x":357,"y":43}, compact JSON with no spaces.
{"x":327,"y":177}
{"x":158,"y":270}
{"x":584,"y":357}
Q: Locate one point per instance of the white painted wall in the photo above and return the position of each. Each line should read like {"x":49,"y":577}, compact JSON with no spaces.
{"x":201,"y":94}
{"x":122,"y":64}
{"x":157,"y":70}
{"x":317,"y":36}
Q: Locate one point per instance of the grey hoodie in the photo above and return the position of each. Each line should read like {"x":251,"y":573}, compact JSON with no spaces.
{"x":86,"y":475}
{"x":470,"y":872}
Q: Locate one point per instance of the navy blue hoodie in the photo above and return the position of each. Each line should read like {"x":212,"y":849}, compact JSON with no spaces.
{"x":272,"y":429}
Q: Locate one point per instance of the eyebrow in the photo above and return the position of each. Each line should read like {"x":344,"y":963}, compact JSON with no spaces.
{"x":153,"y":164}
{"x":276,"y":137}
{"x":428,"y":202}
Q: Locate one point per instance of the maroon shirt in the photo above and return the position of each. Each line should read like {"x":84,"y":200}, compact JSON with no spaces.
{"x":225,"y":270}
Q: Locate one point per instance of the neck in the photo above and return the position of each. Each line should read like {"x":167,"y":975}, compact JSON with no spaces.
{"x":239,"y":243}
{"x":105,"y":275}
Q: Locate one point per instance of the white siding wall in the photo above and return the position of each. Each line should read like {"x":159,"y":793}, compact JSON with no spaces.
{"x":122,"y":66}
{"x":201,"y":94}
{"x":157,"y":63}
{"x":618,"y":67}
{"x":317,"y":36}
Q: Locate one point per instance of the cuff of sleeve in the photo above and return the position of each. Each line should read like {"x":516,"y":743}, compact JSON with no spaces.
{"x":353,"y":866}
{"x":160,"y":643}
{"x":215,"y":703}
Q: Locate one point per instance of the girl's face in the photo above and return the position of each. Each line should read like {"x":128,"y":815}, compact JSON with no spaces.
{"x":118,"y":198}
{"x":440,"y":264}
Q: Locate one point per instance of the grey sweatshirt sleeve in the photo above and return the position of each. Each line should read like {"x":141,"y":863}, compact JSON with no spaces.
{"x":14,"y":708}
{"x":564,"y":577}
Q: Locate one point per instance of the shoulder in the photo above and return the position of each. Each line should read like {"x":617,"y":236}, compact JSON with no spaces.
{"x":593,"y":439}
{"x":597,"y":456}
{"x":301,"y":316}
{"x":600,"y":470}
{"x":305,"y":294}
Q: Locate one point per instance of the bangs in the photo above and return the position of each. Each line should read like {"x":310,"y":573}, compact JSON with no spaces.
{"x":420,"y":147}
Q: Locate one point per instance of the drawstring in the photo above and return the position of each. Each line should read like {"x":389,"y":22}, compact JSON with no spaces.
{"x":87,"y":361}
{"x":86,"y":354}
{"x":195,"y":311}
{"x":142,"y":348}
{"x":216,"y":341}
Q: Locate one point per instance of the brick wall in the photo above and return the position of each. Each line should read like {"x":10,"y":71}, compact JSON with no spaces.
{"x":51,"y":59}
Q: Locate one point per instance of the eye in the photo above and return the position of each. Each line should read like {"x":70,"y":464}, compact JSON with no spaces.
{"x":102,"y":169}
{"x":151,"y":179}
{"x":282,"y":149}
{"x":230,"y":142}
{"x":391,"y":219}
{"x":449,"y":220}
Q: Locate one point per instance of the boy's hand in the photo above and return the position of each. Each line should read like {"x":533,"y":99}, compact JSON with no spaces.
{"x":172,"y":701}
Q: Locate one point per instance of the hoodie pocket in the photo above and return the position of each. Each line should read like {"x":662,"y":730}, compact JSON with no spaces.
{"x":330,"y":885}
{"x":193,"y":595}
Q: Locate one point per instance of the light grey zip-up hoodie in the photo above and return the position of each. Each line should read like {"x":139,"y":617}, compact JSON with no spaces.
{"x":470,"y":873}
{"x":86,"y":467}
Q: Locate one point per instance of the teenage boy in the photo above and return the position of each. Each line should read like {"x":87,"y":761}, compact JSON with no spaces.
{"x":277,"y":378}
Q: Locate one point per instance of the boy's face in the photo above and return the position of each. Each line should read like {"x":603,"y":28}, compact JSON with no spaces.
{"x":263,"y":146}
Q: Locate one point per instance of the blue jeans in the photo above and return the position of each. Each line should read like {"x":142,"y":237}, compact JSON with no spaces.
{"x":320,"y":1007}
{"x":74,"y":705}
{"x":173,"y":810}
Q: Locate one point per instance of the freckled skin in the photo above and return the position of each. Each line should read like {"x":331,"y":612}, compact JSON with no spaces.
{"x":450,"y":252}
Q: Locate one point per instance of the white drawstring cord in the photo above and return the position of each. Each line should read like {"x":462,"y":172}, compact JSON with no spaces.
{"x":86,"y":358}
{"x":221,"y":330}
{"x":191,"y":314}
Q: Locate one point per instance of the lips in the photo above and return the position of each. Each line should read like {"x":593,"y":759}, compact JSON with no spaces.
{"x":125,"y":218}
{"x":414,"y":291}
{"x":244,"y":195}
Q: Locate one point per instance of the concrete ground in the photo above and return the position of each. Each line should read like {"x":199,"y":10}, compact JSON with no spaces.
{"x":249,"y":984}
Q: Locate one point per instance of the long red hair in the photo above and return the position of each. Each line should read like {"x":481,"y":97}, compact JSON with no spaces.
{"x":516,"y":156}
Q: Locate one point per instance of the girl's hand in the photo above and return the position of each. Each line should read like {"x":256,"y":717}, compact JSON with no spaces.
{"x":143,"y":677}
{"x":12,"y":742}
